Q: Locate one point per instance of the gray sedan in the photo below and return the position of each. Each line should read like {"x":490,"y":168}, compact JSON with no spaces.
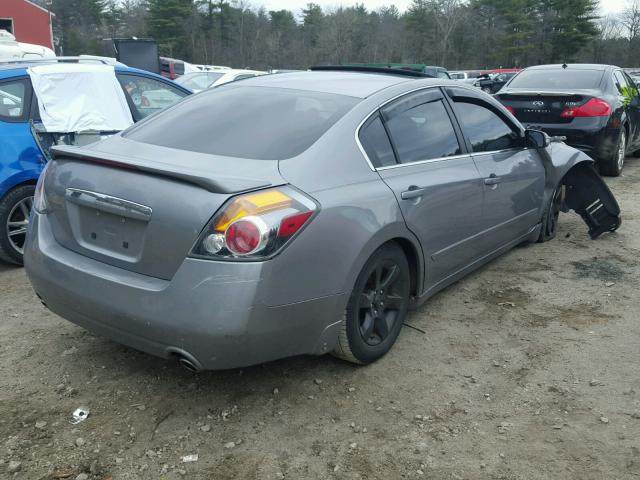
{"x":302,"y":213}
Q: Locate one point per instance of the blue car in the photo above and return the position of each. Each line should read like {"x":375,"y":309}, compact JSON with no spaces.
{"x":24,"y":140}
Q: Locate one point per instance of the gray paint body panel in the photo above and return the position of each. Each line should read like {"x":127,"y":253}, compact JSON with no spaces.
{"x":231,"y":314}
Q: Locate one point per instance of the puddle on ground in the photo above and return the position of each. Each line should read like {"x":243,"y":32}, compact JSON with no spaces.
{"x":598,"y":269}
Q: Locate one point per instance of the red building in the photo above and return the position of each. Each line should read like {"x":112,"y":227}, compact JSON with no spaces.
{"x":29,"y":22}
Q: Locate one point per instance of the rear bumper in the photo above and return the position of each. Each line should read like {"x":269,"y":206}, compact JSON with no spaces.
{"x":594,"y":137}
{"x":209,"y":310}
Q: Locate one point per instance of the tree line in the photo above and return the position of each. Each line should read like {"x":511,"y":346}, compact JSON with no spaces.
{"x":457,"y":34}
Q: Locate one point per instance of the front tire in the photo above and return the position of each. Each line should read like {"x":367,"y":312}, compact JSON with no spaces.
{"x":551,"y":216}
{"x":612,"y":166}
{"x":377,"y":307}
{"x":15,"y":209}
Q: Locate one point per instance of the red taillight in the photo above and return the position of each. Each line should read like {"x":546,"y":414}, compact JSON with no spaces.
{"x":292,"y":224}
{"x":255,"y":225}
{"x":245,"y":236}
{"x":593,"y":108}
{"x":511,"y":110}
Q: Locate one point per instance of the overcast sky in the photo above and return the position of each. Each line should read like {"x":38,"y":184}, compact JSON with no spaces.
{"x":608,"y":6}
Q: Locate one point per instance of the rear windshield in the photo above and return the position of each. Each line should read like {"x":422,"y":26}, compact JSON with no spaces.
{"x":248,"y":122}
{"x":558,"y":79}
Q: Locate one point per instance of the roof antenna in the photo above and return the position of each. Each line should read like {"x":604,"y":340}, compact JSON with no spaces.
{"x":564,"y":65}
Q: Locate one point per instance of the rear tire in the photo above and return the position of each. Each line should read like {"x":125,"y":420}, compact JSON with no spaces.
{"x":15,"y":208}
{"x":377,"y":307}
{"x":550,"y":216}
{"x":612,"y":166}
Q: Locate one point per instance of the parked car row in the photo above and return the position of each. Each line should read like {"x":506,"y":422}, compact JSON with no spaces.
{"x":298,"y":213}
{"x":212,"y":78}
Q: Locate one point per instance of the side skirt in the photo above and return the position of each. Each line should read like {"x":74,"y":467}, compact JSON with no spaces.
{"x":528,"y":237}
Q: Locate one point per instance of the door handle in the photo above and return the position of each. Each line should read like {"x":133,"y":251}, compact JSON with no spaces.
{"x":413,"y":192}
{"x":492,"y":180}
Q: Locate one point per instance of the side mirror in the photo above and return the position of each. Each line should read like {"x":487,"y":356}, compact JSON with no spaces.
{"x":536,"y":139}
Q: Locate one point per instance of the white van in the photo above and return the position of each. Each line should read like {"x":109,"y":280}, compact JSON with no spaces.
{"x":10,"y":49}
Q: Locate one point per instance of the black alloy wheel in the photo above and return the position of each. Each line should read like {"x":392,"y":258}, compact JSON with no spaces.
{"x":377,"y":308}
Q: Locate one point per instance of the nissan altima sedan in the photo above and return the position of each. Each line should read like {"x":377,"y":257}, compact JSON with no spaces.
{"x":301,"y":213}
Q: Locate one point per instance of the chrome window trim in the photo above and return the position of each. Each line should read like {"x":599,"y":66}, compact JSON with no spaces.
{"x":422,"y":162}
{"x":504,"y":150}
{"x":419,"y":162}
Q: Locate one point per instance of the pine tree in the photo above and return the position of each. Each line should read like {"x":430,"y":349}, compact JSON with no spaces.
{"x":168,"y":20}
{"x":77,"y":22}
{"x":574,"y":27}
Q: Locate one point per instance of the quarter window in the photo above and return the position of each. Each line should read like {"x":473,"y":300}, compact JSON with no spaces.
{"x":423,"y":132}
{"x":12,"y":100}
{"x":375,"y":142}
{"x":621,"y":82}
{"x":486,"y":131}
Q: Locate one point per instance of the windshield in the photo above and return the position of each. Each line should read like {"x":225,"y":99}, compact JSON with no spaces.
{"x":556,"y":79}
{"x":247,"y":122}
{"x":198,"y":81}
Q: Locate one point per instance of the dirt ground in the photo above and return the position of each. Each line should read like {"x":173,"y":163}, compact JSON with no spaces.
{"x":528,"y":369}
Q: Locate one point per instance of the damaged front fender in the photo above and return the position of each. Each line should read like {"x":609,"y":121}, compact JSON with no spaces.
{"x":588,"y":195}
{"x":585,"y":191}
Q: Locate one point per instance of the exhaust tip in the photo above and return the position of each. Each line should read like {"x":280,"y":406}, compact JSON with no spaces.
{"x":185,"y":359}
{"x":188,"y":364}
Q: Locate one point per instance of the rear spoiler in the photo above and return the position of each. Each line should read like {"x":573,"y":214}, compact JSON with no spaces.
{"x":220,"y":184}
{"x":547,"y":93}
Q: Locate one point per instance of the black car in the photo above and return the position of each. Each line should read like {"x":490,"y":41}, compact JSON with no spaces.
{"x":596,"y":107}
{"x":492,"y":83}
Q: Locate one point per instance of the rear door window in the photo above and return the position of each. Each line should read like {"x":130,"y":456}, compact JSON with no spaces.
{"x":14,"y":100}
{"x":484,"y":128}
{"x":420,"y":128}
{"x":148,"y":95}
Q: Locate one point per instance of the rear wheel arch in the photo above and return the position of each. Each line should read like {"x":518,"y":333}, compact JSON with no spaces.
{"x":409,"y":244}
{"x":411,"y":252}
{"x":25,"y":183}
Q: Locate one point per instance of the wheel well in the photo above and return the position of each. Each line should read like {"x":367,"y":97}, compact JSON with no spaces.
{"x":18,"y":185}
{"x":413,"y":259}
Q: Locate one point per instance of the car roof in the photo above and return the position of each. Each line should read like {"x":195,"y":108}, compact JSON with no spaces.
{"x":8,"y":70}
{"x":12,"y":70}
{"x":353,"y":84}
{"x":573,"y":66}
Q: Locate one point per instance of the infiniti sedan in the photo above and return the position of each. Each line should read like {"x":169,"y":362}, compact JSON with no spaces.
{"x":595,"y":107}
{"x":301,"y":213}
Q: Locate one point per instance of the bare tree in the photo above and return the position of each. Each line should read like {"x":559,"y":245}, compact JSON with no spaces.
{"x":630,"y":21}
{"x":447,"y":15}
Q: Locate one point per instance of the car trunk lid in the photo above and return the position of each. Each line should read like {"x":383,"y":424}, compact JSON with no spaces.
{"x":142,"y":210}
{"x":543,"y":107}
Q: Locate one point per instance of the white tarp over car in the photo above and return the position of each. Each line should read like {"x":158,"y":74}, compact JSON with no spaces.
{"x":79,"y":98}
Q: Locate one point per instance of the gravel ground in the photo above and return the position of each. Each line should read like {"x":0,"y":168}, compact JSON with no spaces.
{"x":527,"y":369}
